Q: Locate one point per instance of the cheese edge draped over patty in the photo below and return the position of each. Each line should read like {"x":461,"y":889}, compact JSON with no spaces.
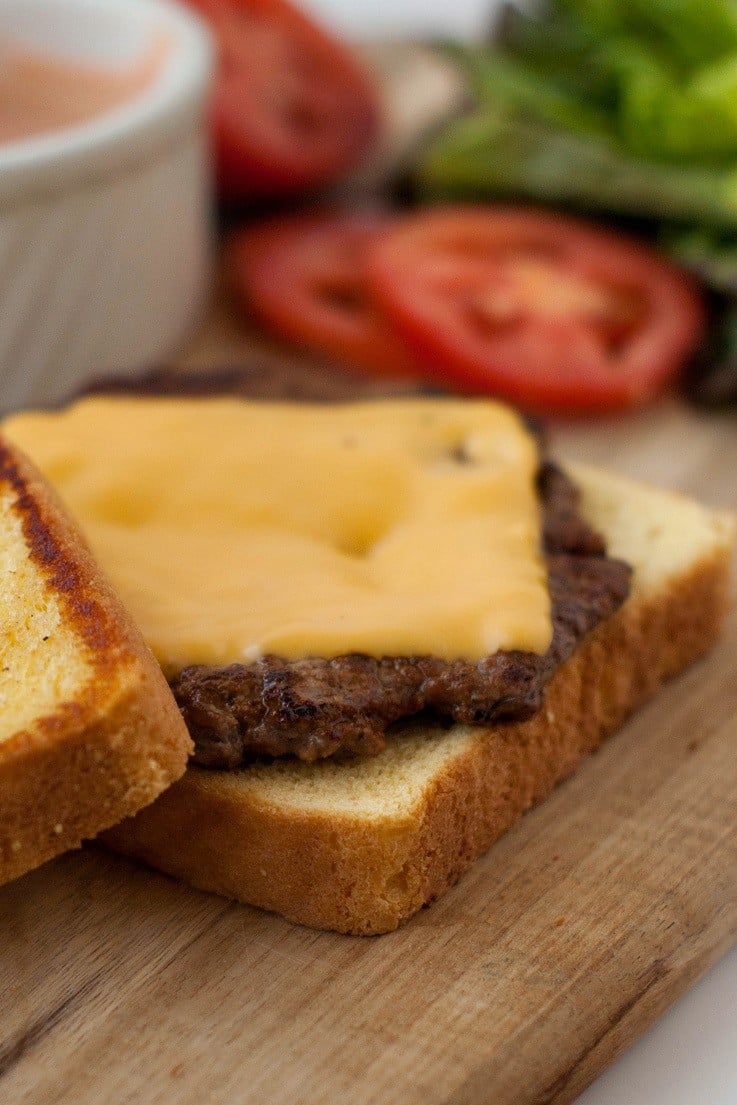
{"x":233,"y":528}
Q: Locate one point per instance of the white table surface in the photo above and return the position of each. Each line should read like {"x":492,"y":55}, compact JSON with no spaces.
{"x":690,"y":1056}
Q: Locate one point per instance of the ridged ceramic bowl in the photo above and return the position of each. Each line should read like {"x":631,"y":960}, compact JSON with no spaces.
{"x":104,"y":226}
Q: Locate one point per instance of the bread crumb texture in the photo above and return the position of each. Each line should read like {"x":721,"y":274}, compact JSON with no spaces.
{"x":360,"y":846}
{"x":661,"y":534}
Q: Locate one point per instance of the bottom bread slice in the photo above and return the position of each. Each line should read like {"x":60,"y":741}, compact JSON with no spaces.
{"x":360,"y":846}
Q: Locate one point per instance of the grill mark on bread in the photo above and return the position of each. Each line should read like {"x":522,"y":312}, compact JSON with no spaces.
{"x":96,"y":633}
{"x":62,"y":573}
{"x":99,"y":734}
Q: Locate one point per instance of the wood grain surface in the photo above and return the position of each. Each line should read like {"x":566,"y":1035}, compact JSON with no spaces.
{"x":119,"y":986}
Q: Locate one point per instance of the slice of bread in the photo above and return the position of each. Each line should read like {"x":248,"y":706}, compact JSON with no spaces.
{"x":360,"y":846}
{"x":89,"y":730}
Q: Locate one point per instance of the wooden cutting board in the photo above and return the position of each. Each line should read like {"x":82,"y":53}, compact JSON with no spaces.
{"x":550,"y":956}
{"x":119,"y":985}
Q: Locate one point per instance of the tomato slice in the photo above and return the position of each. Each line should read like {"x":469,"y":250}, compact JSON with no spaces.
{"x":292,"y":107}
{"x":542,"y":309}
{"x":303,"y":276}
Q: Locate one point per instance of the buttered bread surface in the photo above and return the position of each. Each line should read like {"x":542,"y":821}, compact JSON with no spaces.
{"x":34,"y":676}
{"x":233,"y":529}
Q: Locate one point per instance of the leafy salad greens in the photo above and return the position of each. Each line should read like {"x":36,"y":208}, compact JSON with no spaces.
{"x":627,"y":107}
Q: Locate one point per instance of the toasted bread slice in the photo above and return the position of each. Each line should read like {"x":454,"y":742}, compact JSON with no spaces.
{"x":90,"y":731}
{"x":360,"y":846}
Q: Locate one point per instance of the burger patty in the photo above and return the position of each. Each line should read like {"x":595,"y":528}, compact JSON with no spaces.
{"x":317,"y":707}
{"x":314,"y":708}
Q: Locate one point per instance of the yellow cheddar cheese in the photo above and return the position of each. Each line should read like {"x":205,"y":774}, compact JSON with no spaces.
{"x":233,"y":529}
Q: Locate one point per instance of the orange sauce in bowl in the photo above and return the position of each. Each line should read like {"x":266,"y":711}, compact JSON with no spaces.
{"x":40,"y":93}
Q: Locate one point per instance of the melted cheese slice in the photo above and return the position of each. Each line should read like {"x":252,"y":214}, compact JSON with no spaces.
{"x":233,"y":529}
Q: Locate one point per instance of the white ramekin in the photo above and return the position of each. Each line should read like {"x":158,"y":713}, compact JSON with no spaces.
{"x":104,"y":227}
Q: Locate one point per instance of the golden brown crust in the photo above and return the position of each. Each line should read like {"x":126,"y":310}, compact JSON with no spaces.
{"x":121,"y":741}
{"x":329,"y":870}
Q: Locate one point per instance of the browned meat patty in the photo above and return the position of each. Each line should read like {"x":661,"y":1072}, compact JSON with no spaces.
{"x":263,"y":377}
{"x":316,"y":707}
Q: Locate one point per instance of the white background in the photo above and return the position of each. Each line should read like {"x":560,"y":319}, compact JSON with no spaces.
{"x":690,"y":1056}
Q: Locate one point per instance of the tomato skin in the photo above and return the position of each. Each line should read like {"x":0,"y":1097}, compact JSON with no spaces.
{"x":292,"y":108}
{"x":302,"y":275}
{"x":449,"y":280}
